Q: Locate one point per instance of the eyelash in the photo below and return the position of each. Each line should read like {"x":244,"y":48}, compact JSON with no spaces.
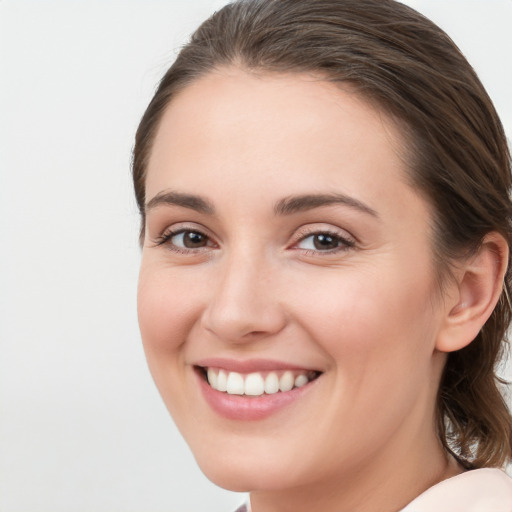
{"x":344,"y":243}
{"x":167,"y":236}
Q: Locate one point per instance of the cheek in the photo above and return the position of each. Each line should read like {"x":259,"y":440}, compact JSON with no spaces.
{"x":373,"y":327}
{"x":379,"y":340}
{"x":168,"y":305}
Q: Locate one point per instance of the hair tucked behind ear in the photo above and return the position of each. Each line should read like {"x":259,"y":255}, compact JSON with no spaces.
{"x":473,"y":419}
{"x":456,"y":146}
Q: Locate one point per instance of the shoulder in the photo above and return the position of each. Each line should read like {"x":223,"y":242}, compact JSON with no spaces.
{"x":479,"y":490}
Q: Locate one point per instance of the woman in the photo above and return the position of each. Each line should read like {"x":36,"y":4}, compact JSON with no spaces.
{"x":323,"y":297}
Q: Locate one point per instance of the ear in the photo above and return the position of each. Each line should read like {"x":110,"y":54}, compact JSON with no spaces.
{"x":476,"y":291}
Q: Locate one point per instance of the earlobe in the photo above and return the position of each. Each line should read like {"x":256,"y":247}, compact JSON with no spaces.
{"x":479,"y":285}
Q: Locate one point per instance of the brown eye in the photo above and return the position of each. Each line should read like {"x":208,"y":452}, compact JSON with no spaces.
{"x":190,"y":240}
{"x":324,"y":242}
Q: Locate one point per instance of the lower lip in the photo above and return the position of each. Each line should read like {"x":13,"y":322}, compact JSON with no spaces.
{"x":250,"y":408}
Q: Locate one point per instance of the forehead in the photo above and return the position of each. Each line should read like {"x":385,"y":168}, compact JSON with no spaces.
{"x":266,"y":131}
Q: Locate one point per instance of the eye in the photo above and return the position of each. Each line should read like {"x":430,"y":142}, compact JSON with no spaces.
{"x":189,"y":239}
{"x":324,"y":242}
{"x":184,"y":240}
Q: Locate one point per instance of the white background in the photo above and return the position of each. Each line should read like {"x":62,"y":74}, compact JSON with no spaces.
{"x":82,"y":427}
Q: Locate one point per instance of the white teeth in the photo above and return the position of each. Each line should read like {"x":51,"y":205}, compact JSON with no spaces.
{"x":272,"y":383}
{"x":286,"y":381}
{"x":254,"y":384}
{"x":222,"y":381}
{"x":301,"y":380}
{"x":212,"y":378}
{"x":235,"y":385}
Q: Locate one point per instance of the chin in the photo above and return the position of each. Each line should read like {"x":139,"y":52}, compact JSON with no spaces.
{"x":236,"y":479}
{"x":242,"y":474}
{"x":243,"y":464}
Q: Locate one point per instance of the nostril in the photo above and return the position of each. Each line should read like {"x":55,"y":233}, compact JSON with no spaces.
{"x":255,"y":334}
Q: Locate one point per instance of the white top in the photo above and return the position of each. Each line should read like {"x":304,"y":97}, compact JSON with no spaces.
{"x":479,"y":490}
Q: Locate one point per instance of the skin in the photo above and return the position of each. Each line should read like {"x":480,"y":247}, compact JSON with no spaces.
{"x":367,"y":314}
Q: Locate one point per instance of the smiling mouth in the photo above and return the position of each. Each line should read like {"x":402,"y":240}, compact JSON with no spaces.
{"x":256,"y":383}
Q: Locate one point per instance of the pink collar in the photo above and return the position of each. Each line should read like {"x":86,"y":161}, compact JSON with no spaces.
{"x":479,"y":490}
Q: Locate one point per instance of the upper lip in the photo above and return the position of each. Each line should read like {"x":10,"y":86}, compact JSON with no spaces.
{"x":249,"y":365}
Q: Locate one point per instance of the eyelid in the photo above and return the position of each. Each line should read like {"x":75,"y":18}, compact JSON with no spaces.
{"x":317,"y":229}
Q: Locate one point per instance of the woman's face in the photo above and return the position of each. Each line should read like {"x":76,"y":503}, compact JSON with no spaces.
{"x":284,"y":247}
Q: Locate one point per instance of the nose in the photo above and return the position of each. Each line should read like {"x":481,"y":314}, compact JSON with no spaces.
{"x":244,"y":303}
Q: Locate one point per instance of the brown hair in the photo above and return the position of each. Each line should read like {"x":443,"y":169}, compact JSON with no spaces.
{"x":458,"y":154}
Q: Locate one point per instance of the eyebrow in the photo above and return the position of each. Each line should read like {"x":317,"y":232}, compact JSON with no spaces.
{"x":171,"y":198}
{"x":296,"y":204}
{"x":286,"y":206}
